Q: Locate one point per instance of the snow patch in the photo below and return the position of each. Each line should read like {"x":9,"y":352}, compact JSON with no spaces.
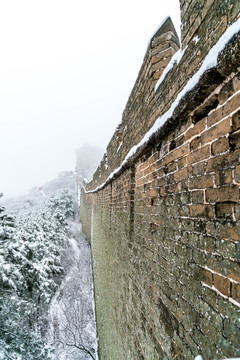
{"x":72,"y":324}
{"x":196,"y":39}
{"x":119,"y":147}
{"x":158,"y":28}
{"x":209,"y":62}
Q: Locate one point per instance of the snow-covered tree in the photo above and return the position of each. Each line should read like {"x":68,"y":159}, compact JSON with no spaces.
{"x":30,"y":260}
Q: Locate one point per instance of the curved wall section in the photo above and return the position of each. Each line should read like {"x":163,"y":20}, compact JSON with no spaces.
{"x":162,"y":211}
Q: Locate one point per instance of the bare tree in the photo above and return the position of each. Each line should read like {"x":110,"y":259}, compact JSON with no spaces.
{"x":73,"y":333}
{"x":69,"y":332}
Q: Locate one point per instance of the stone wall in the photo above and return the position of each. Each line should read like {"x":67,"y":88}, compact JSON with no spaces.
{"x":164,"y":219}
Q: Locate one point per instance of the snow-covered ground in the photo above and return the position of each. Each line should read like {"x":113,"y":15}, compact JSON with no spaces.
{"x":72,"y":327}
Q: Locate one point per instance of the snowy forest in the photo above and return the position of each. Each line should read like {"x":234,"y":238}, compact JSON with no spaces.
{"x":47,"y":307}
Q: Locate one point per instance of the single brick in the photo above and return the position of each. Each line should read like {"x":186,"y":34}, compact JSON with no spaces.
{"x":147,"y":171}
{"x":153,"y":193}
{"x":207,"y":277}
{"x":227,"y":193}
{"x":177,"y":153}
{"x":231,"y":105}
{"x":201,"y":211}
{"x":180,"y":140}
{"x":217,"y":131}
{"x":224,"y":177}
{"x":198,"y":197}
{"x":161,"y":64}
{"x":181,"y":174}
{"x":201,"y":182}
{"x":198,"y":169}
{"x":182,"y":162}
{"x":153,"y":158}
{"x":214,"y":117}
{"x":195,"y":143}
{"x":222,"y":284}
{"x":161,"y":55}
{"x":236,"y":292}
{"x":200,"y":154}
{"x":220,"y":146}
{"x":225,"y":210}
{"x":152,"y":167}
{"x":139,"y":182}
{"x":196,"y":129}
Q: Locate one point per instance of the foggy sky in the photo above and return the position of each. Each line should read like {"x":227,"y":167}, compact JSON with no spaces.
{"x":67,"y":68}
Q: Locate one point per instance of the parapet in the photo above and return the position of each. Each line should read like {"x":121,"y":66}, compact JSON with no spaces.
{"x":148,"y":101}
{"x":136,"y":120}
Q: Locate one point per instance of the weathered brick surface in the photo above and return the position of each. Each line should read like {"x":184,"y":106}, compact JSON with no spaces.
{"x":219,"y":146}
{"x":165,"y":229}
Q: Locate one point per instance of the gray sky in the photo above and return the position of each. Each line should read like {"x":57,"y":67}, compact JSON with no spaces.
{"x":67,"y":68}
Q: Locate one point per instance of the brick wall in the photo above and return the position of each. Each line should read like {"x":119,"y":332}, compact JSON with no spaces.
{"x":165,"y":228}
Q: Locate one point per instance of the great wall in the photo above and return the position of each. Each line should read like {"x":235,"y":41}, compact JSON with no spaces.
{"x":162,"y":212}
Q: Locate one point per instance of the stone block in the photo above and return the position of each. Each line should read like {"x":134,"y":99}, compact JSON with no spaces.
{"x":202,"y":210}
{"x":231,"y":105}
{"x":215,"y":117}
{"x":224,"y":194}
{"x":225,"y":210}
{"x":196,"y":129}
{"x":195,"y":143}
{"x":220,"y":146}
{"x":199,"y":155}
{"x":222,"y":284}
{"x":201,"y":182}
{"x":217,"y":131}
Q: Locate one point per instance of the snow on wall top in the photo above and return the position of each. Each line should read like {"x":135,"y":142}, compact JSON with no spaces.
{"x":210,"y":61}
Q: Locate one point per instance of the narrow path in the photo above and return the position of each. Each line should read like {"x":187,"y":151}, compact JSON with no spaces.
{"x":72,"y":327}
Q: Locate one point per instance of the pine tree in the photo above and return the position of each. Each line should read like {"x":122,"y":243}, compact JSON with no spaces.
{"x":30,"y":259}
